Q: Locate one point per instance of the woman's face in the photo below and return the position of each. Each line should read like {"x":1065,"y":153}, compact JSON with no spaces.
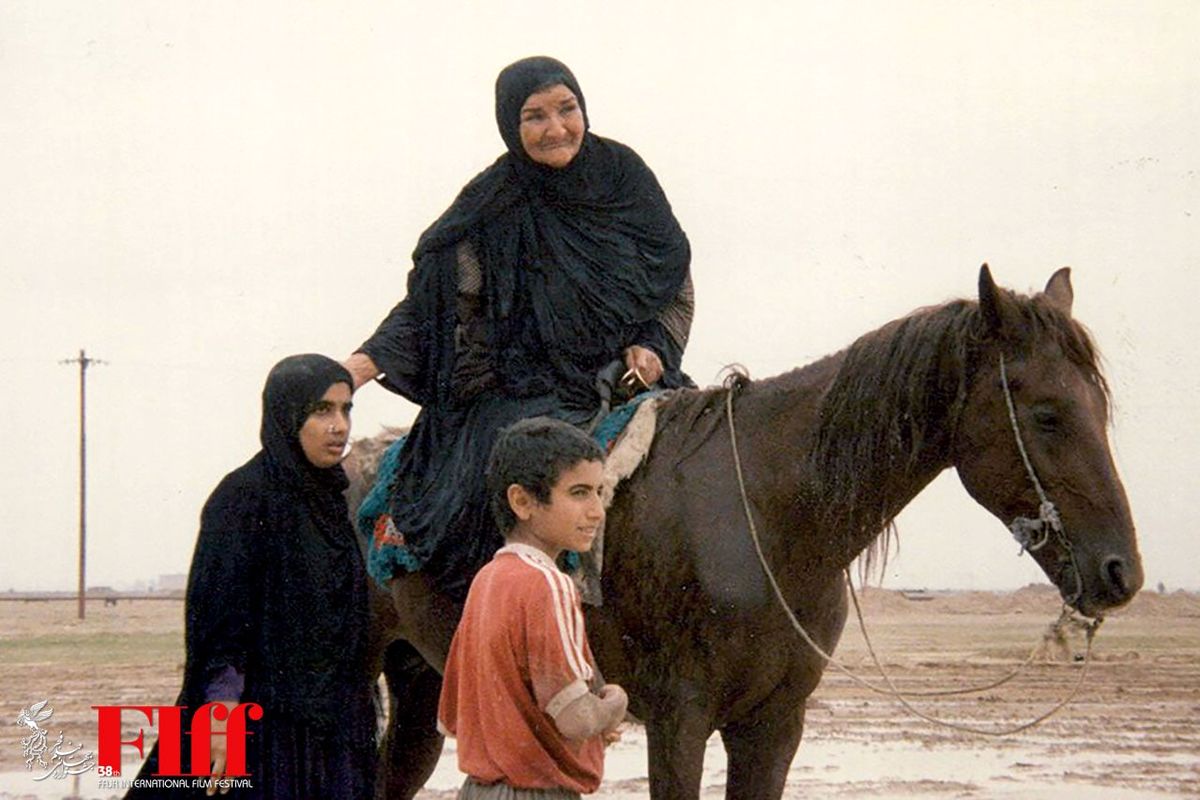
{"x":552,"y":126}
{"x":324,"y":433}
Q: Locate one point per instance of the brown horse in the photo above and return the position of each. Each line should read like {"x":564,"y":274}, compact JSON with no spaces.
{"x":830,"y":455}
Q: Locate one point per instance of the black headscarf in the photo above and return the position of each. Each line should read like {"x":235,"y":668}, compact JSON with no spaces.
{"x":516,"y":83}
{"x":294,"y":386}
{"x":577,"y":261}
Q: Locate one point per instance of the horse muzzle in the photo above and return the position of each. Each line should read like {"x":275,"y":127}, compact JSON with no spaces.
{"x":1102,"y":584}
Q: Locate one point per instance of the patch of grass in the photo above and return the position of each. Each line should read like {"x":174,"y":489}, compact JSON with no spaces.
{"x":91,"y":648}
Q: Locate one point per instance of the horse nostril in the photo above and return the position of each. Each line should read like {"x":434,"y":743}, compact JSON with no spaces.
{"x":1114,"y":573}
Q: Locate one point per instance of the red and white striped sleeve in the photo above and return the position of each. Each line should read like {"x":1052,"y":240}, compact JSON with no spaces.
{"x":560,"y":665}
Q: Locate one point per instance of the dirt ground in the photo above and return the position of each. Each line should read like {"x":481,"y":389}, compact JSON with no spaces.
{"x":1132,"y":731}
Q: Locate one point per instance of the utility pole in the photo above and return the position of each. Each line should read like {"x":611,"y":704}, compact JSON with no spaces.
{"x":84,"y":362}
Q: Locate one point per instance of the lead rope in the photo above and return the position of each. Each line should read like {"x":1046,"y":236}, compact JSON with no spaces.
{"x":891,"y":690}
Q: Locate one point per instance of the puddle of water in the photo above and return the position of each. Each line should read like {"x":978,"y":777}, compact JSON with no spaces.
{"x":823,"y":765}
{"x":24,"y":785}
{"x":820,"y":765}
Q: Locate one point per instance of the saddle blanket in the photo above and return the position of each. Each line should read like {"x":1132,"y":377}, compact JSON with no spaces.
{"x":625,"y":434}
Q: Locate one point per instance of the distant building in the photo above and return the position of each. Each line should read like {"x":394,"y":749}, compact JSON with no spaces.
{"x":172,"y":583}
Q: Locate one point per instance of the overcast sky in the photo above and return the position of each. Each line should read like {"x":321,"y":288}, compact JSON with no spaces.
{"x":192,"y":191}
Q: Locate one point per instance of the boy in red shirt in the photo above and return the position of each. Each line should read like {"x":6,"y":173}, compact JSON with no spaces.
{"x":517,"y":691}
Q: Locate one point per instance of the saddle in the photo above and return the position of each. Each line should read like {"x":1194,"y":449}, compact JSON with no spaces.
{"x":623,"y":425}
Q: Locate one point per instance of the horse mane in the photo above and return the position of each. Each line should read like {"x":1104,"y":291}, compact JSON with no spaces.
{"x":896,"y":400}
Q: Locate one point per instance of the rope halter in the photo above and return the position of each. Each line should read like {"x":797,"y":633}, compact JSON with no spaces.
{"x":1024,"y":529}
{"x":1032,"y":534}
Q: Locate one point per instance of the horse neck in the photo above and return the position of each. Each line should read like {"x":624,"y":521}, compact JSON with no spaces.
{"x":863,"y":437}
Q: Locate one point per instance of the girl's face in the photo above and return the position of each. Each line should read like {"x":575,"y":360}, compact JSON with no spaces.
{"x":324,"y":434}
{"x":552,"y":126}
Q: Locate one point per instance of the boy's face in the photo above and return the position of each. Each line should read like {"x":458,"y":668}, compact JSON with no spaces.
{"x":572,"y":517}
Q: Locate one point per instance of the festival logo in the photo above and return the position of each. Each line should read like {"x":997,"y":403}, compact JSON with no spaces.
{"x":59,"y":759}
{"x":233,"y":730}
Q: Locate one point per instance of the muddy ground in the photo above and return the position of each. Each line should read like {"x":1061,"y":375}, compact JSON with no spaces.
{"x":1132,"y":731}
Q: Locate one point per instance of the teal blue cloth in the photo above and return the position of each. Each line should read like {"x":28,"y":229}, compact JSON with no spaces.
{"x":385,"y":559}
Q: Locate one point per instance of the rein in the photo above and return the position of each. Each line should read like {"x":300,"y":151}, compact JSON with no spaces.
{"x":890,"y":690}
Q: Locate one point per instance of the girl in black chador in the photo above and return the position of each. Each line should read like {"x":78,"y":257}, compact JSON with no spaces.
{"x":276,"y":602}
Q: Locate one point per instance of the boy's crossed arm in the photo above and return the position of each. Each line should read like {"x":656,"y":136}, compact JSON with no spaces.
{"x":591,"y":715}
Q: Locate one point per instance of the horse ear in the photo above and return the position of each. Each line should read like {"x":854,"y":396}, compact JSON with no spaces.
{"x":989,"y":300}
{"x":1059,"y":291}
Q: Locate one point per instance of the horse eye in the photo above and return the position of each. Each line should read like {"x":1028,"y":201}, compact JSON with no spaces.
{"x":1046,"y":419}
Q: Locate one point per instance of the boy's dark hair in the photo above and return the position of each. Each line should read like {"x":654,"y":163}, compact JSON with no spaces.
{"x":534,"y":453}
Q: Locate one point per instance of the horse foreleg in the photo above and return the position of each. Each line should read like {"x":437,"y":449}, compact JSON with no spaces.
{"x":675,"y":745}
{"x":761,"y":749}
{"x":425,"y":619}
{"x":411,"y":747}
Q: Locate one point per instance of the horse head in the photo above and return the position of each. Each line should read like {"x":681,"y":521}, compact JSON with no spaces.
{"x":1031,"y":444}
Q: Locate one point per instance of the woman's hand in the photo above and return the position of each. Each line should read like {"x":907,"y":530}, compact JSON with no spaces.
{"x":645,"y":367}
{"x":361,"y":369}
{"x":218,"y":751}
